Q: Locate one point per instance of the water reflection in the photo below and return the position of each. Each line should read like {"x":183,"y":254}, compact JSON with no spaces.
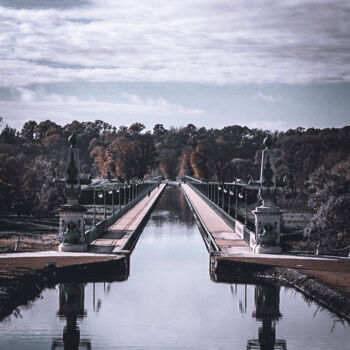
{"x":267,"y":305}
{"x":267,"y":311}
{"x":71,"y":308}
{"x":174,"y":209}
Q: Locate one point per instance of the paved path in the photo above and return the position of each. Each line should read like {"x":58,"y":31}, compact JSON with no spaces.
{"x":332,"y":270}
{"x":225,"y":237}
{"x":118,"y":234}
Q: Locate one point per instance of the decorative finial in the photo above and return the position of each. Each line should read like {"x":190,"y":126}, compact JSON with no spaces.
{"x":268,"y":141}
{"x":72,"y":140}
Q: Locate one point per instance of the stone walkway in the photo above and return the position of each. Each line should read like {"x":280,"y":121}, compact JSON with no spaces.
{"x":118,"y":234}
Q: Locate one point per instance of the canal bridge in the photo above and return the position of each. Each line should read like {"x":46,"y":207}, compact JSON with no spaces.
{"x":94,"y":240}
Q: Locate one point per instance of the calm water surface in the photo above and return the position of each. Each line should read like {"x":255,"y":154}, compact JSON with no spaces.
{"x":169,"y":302}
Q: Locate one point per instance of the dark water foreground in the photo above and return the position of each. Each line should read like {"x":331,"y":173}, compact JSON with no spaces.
{"x":169,"y":302}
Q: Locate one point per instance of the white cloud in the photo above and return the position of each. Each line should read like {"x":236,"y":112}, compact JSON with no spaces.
{"x":256,"y":41}
{"x":265,"y":98}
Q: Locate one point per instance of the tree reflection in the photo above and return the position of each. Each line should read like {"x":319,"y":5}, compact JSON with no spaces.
{"x":71,"y":308}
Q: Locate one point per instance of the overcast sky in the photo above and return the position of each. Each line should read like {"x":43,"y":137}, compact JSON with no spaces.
{"x":261,"y":63}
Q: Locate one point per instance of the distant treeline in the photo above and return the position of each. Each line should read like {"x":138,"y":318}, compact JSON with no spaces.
{"x":31,"y":157}
{"x":316,"y":162}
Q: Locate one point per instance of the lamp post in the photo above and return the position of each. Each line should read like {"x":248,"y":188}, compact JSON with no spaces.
{"x":236,"y":200}
{"x":229,"y":201}
{"x":246,"y":207}
{"x":223,"y":197}
{"x":218,"y":202}
{"x":94,"y":218}
{"x":112,"y":193}
{"x":104,"y":203}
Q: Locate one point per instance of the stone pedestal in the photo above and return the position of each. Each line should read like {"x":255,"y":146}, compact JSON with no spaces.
{"x":267,"y":235}
{"x":71,"y":229}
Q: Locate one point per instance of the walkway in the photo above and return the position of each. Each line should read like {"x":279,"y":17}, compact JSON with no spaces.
{"x":115,"y":238}
{"x":332,"y":270}
{"x":224,"y":235}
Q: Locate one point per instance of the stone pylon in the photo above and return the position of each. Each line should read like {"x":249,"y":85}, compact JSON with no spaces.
{"x":268,"y":215}
{"x":71,"y":228}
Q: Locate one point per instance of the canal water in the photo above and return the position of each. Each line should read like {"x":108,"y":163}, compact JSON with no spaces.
{"x":169,"y":302}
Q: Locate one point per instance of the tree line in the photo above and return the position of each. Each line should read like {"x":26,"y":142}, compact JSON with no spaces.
{"x":32,"y":157}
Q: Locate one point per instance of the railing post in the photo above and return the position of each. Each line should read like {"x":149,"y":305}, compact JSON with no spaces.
{"x":246,"y":207}
{"x":236,"y":204}
{"x":112,"y":201}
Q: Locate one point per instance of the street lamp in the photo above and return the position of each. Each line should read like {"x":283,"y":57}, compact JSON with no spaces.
{"x":246,"y":207}
{"x":94,"y":218}
{"x":236,"y":204}
{"x":112,"y":193}
{"x":218,"y":199}
{"x":223,"y":198}
{"x":230,"y":193}
{"x":120,"y":197}
{"x":104,"y":203}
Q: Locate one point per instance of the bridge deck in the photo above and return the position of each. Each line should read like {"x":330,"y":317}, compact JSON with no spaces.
{"x":225,"y":237}
{"x":332,"y":270}
{"x":118,"y":234}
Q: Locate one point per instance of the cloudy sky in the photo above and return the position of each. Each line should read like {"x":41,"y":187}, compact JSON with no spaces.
{"x":261,"y":63}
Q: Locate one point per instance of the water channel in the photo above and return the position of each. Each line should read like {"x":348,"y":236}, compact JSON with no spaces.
{"x":169,"y":302}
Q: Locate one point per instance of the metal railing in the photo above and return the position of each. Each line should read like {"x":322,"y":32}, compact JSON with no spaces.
{"x":104,"y":225}
{"x":220,"y":197}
